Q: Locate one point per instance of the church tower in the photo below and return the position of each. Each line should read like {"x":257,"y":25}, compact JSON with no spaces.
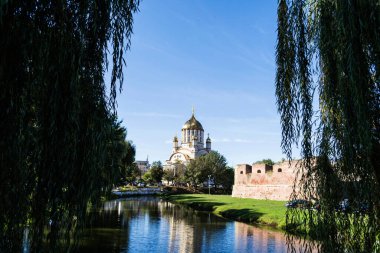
{"x":208,"y":143}
{"x":191,"y":144}
{"x":175,"y":143}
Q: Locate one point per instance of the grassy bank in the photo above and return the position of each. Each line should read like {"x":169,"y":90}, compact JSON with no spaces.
{"x":264,"y":212}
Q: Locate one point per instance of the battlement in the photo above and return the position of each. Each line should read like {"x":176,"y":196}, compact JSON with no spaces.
{"x":263,"y":181}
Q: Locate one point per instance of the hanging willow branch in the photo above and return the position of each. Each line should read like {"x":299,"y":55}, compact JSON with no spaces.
{"x":341,"y":155}
{"x":58,"y":134}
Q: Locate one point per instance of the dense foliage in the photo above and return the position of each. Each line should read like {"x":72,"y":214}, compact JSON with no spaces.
{"x":156,"y":171}
{"x":129,"y":169}
{"x":330,"y":50}
{"x":59,"y":141}
{"x":175,"y":175}
{"x":120,"y":156}
{"x":155,"y":174}
{"x":131,"y":173}
{"x":266,"y":161}
{"x":211,"y":166}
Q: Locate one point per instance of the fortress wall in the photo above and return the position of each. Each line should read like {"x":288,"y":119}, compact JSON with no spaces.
{"x":273,"y":192}
{"x":242,"y":174}
{"x":282,"y":178}
{"x":261,"y":181}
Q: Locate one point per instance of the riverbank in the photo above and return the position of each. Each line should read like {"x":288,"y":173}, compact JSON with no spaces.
{"x":125,"y":191}
{"x":135,"y":191}
{"x":262,"y":212}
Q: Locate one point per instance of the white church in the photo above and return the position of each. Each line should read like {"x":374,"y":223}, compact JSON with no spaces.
{"x":192,"y":144}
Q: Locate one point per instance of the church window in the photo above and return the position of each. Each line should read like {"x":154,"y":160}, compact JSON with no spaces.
{"x":279,"y":170}
{"x":241,"y":172}
{"x":258,"y":171}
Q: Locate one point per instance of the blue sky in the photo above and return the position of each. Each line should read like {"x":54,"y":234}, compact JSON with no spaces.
{"x":215,"y":55}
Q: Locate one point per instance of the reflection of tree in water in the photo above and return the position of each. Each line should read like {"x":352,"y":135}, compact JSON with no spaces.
{"x":189,"y":229}
{"x":106,"y":231}
{"x":112,"y":227}
{"x":143,"y":224}
{"x":256,"y":239}
{"x":184,"y":234}
{"x":109,"y":228}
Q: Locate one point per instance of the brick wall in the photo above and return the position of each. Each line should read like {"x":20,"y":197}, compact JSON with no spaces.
{"x":261,"y":181}
{"x":273,"y":192}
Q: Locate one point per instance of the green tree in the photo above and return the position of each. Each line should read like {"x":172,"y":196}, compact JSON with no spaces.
{"x":157,"y":171}
{"x":194,"y":173}
{"x":175,"y":174}
{"x":179,"y":173}
{"x":131,"y":173}
{"x":227,"y":179}
{"x":214,"y":164}
{"x":266,"y":161}
{"x":169,"y":176}
{"x":56,"y":118}
{"x":331,"y":50}
{"x":121,"y":154}
{"x":148,"y":177}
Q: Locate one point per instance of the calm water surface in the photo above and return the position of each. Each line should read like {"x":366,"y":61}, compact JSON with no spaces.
{"x":149,"y":224}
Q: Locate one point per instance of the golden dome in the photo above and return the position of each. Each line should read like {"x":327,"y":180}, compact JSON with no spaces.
{"x":192,"y":124}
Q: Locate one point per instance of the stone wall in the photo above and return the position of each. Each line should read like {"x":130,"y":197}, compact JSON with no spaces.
{"x":273,"y":192}
{"x":261,"y":181}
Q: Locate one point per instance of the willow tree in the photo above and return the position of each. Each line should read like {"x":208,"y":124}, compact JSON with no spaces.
{"x":330,"y":50}
{"x":56,"y":116}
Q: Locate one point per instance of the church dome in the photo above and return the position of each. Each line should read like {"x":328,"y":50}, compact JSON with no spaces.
{"x":192,"y":124}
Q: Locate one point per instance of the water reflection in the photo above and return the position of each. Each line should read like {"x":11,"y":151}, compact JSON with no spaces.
{"x":258,"y":240}
{"x":148,"y":224}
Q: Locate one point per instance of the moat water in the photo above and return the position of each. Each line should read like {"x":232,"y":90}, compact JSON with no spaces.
{"x":150,"y":224}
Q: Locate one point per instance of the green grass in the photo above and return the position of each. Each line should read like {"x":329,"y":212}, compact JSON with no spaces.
{"x":263,"y":212}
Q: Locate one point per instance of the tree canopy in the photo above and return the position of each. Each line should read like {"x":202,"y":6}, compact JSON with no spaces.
{"x":266,"y":161}
{"x":57,"y":122}
{"x":212,"y":164}
{"x":330,"y":50}
{"x":129,"y":169}
{"x":176,"y":174}
{"x":131,"y":173}
{"x":157,"y":171}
